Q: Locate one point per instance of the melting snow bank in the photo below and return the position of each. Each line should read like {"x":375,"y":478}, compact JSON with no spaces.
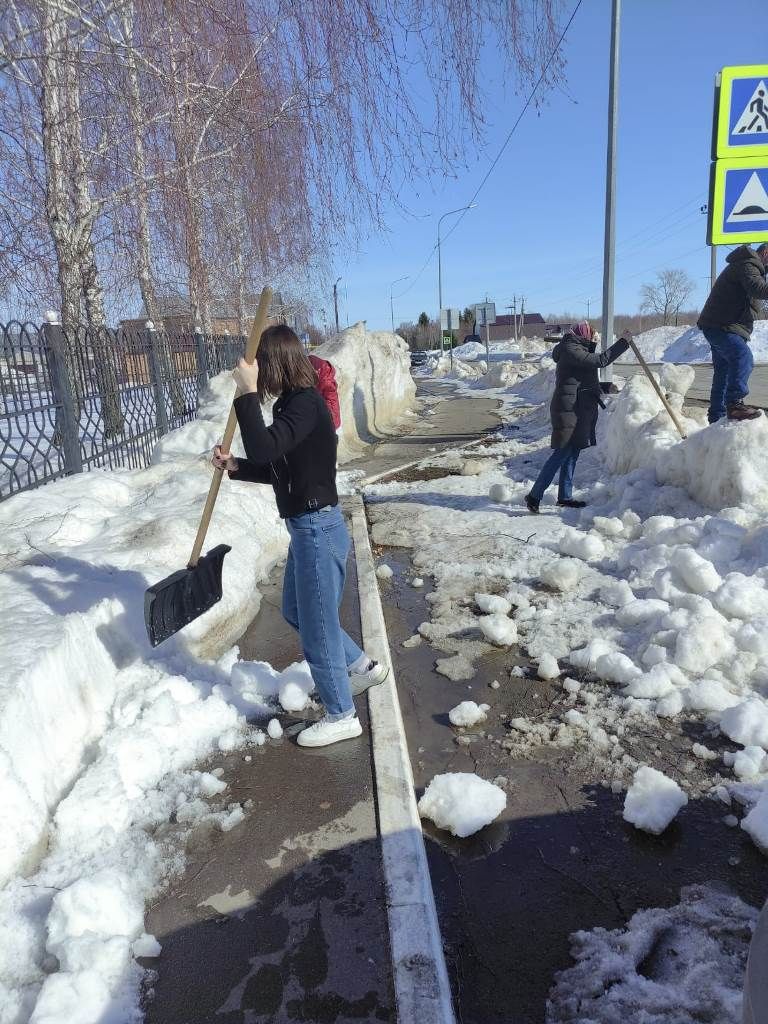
{"x":99,"y":734}
{"x":688,"y":345}
{"x":683,"y":965}
{"x":376,"y":389}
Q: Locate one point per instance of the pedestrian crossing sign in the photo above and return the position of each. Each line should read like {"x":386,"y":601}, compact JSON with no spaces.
{"x":739,"y":202}
{"x":741,"y":122}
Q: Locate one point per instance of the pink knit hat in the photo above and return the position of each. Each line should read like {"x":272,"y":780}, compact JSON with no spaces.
{"x":583,"y":330}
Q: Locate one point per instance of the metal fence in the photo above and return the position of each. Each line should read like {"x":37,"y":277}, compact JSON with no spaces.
{"x":76,"y":399}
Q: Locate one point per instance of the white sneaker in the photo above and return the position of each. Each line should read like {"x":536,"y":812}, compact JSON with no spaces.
{"x":373,"y":674}
{"x":325,"y":732}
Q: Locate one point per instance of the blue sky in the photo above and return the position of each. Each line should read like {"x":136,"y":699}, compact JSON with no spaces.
{"x":538,"y":227}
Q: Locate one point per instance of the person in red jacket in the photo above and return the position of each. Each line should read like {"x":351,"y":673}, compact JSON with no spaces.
{"x":326,"y":385}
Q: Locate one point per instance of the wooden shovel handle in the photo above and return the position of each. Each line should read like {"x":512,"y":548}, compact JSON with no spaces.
{"x":251,"y":348}
{"x":657,"y":389}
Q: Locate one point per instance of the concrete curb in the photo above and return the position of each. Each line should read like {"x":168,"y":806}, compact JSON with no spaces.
{"x":422,"y":990}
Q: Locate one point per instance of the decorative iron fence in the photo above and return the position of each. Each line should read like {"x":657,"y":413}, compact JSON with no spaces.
{"x":76,"y":399}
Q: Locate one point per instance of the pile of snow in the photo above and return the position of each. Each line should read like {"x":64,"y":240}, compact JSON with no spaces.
{"x":376,"y":389}
{"x":653,"y":800}
{"x":722,"y":465}
{"x":686,"y":344}
{"x":462,"y":803}
{"x":684,"y":965}
{"x":468,"y":713}
{"x":498,"y":629}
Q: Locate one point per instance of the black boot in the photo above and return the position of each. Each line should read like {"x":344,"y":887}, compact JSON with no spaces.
{"x":533,"y":505}
{"x":572,"y":503}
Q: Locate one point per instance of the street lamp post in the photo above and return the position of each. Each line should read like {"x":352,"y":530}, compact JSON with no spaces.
{"x":440,"y":264}
{"x":391,"y":300}
{"x":336,"y":302}
{"x":610,"y":185}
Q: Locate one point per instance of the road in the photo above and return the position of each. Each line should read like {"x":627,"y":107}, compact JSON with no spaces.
{"x":702,"y":384}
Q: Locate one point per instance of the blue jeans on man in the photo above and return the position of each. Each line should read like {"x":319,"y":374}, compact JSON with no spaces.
{"x":563,"y":459}
{"x":312,"y":590}
{"x":732,"y":363}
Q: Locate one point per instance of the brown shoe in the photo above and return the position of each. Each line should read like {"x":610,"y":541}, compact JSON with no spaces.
{"x":739,"y":411}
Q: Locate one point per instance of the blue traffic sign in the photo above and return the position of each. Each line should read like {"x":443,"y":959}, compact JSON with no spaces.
{"x":742,"y":116}
{"x":740,"y":201}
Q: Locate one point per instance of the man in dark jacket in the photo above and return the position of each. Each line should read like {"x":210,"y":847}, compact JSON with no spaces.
{"x":573,"y":409}
{"x":726,"y":322}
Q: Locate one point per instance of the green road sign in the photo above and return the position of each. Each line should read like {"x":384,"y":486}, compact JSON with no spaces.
{"x":741,"y":116}
{"x":739,"y":202}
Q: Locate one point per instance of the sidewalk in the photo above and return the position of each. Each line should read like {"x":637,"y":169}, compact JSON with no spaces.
{"x":285,"y":918}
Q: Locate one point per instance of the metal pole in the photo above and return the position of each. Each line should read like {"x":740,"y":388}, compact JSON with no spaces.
{"x":391,"y":300}
{"x":609,"y":251}
{"x":712,"y":267}
{"x":450,"y":213}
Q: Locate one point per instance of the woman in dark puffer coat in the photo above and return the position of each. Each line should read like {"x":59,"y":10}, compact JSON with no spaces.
{"x":573,"y":409}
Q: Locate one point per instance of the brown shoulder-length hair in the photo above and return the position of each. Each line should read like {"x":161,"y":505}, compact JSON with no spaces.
{"x":283,"y":363}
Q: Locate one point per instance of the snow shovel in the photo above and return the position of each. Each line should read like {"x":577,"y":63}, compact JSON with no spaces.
{"x":187,"y":594}
{"x":657,"y":389}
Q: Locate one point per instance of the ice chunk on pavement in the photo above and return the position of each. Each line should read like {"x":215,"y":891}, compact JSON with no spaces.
{"x":548,"y":667}
{"x":417,"y":582}
{"x":384,"y":572}
{"x":747,"y":723}
{"x":498,"y":629}
{"x":635,"y":612}
{"x":753,"y":637}
{"x":616,"y":667}
{"x":587,"y":546}
{"x":750,"y":762}
{"x":698,"y":574}
{"x":660,"y":681}
{"x":653,"y":800}
{"x":500,"y":493}
{"x":147,"y":946}
{"x":468,"y":713}
{"x":702,"y":643}
{"x":462,"y":803}
{"x":493,"y":604}
{"x":755,"y":824}
{"x":670,"y":705}
{"x":617,"y":594}
{"x":587,"y":657}
{"x":274,"y":729}
{"x":562,"y":574}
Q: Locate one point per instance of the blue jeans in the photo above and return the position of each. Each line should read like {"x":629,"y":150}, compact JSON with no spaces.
{"x":732,"y":363}
{"x":563,"y":459}
{"x":312,"y":590}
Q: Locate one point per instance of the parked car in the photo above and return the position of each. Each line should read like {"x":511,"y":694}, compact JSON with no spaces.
{"x":473,"y":337}
{"x":418,"y":358}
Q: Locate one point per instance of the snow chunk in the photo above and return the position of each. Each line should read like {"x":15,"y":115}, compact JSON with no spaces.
{"x":653,"y":800}
{"x":660,"y":681}
{"x":670,"y":705}
{"x":468,"y":713}
{"x":608,"y":526}
{"x":492,"y":604}
{"x":274,"y":729}
{"x":636,"y":612}
{"x":617,"y":594}
{"x":747,"y":723}
{"x":498,"y":629}
{"x":709,"y":695}
{"x":562,"y":574}
{"x":500,"y":493}
{"x":755,"y":824}
{"x":750,"y":762}
{"x":147,"y":946}
{"x":587,"y":657}
{"x":616,"y":667}
{"x":462,"y":803}
{"x":385,"y":572}
{"x":417,"y":582}
{"x":742,"y":597}
{"x":698,"y":574}
{"x":587,"y":546}
{"x":548,"y":667}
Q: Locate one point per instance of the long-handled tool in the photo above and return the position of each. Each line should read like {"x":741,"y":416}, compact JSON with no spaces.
{"x":657,"y":389}
{"x":184,"y":596}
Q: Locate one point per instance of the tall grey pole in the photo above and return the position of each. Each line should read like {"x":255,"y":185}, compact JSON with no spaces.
{"x":336,"y":303}
{"x":609,"y":251}
{"x":392,"y":301}
{"x":712,"y":267}
{"x":450,"y":213}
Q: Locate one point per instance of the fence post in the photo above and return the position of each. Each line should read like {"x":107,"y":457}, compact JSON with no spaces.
{"x":202,"y":363}
{"x":55,"y":341}
{"x":155,"y":369}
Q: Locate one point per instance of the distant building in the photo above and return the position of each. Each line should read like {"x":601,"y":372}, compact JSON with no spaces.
{"x":533,"y":326}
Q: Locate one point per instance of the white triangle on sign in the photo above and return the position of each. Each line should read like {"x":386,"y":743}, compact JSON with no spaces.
{"x":752,"y":204}
{"x":754,"y":120}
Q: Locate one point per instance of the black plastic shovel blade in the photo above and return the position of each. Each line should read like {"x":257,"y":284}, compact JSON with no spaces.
{"x":184,"y":596}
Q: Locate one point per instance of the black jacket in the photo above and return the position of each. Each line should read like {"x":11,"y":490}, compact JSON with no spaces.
{"x":577,"y":396}
{"x":297,"y":454}
{"x":734,"y":303}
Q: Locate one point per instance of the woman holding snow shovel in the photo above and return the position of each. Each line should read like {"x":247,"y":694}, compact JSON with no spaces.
{"x":573,"y":409}
{"x":297,"y":456}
